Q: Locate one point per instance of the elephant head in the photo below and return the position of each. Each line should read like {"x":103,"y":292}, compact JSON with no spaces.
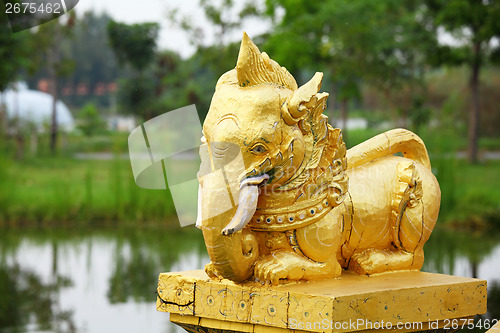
{"x":261,"y":138}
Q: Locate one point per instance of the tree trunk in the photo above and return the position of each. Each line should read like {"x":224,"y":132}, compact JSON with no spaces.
{"x":343,"y":115}
{"x":3,"y":117}
{"x":19,"y":144}
{"x":474,"y":110}
{"x":474,"y":269}
{"x":53,"y":59}
{"x":34,"y":141}
{"x":54,"y":127}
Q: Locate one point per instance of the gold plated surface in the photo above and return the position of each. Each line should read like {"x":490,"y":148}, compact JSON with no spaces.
{"x":413,"y":300}
{"x":304,"y":208}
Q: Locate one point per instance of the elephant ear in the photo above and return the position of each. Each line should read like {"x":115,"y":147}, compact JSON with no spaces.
{"x":254,"y":68}
{"x":305,"y":108}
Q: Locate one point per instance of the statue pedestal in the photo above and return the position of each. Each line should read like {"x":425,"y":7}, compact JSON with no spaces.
{"x":405,"y":300}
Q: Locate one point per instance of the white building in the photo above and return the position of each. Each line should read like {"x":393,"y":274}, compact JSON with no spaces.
{"x":35,"y":107}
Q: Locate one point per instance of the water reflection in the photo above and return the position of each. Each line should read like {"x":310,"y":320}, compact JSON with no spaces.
{"x":469,"y":254}
{"x":493,"y":301}
{"x":90,"y":281}
{"x":24,"y":296}
{"x":446,"y":249}
{"x":105,"y":280}
{"x":142,"y":257}
{"x":26,"y":299}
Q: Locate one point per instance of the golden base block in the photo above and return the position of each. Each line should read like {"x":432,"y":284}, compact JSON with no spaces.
{"x":404,"y":301}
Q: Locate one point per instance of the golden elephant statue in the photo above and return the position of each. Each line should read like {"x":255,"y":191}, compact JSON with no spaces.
{"x":304,"y":208}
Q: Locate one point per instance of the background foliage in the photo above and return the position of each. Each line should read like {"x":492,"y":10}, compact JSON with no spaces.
{"x":428,"y":65}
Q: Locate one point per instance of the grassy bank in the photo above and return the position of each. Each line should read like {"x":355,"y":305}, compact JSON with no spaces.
{"x":470,"y":194}
{"x":65,"y":191}
{"x":43,"y":191}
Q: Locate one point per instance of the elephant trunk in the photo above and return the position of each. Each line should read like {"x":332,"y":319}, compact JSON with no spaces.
{"x":232,"y":249}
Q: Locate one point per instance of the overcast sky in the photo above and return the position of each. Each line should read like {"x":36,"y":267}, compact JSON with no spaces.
{"x":156,"y":11}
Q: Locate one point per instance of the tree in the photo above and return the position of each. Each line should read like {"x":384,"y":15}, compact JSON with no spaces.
{"x":198,"y":75}
{"x":22,"y":53}
{"x":135,"y":45}
{"x":95,"y":63}
{"x":354,"y":41}
{"x":13,"y":52}
{"x":90,"y":122}
{"x":224,"y":17}
{"x":190,"y":81}
{"x":13,"y":58}
{"x":474,"y":24}
{"x":49,"y":39}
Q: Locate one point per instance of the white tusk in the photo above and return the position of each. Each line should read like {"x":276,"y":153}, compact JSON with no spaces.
{"x":247,"y":204}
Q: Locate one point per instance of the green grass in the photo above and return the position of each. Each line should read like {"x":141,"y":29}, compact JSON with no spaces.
{"x":470,"y":193}
{"x":43,"y":191}
{"x":354,"y":137}
{"x":492,"y":144}
{"x":64,"y":191}
{"x":477,"y":194}
{"x":113,"y":141}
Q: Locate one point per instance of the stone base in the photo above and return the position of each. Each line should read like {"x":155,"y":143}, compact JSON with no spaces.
{"x":406,"y":301}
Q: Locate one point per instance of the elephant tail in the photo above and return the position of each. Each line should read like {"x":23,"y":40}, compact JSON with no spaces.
{"x":386,"y":144}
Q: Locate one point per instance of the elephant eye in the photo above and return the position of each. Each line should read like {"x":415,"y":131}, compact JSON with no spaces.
{"x":259,"y":149}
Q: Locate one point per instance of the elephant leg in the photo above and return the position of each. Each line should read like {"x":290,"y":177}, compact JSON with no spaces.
{"x":418,"y":218}
{"x":418,"y":213}
{"x":311,"y":253}
{"x":408,"y":228}
{"x":371,"y":261}
{"x":293,"y":267}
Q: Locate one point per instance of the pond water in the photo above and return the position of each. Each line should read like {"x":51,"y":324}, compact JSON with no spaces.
{"x":105,"y":280}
